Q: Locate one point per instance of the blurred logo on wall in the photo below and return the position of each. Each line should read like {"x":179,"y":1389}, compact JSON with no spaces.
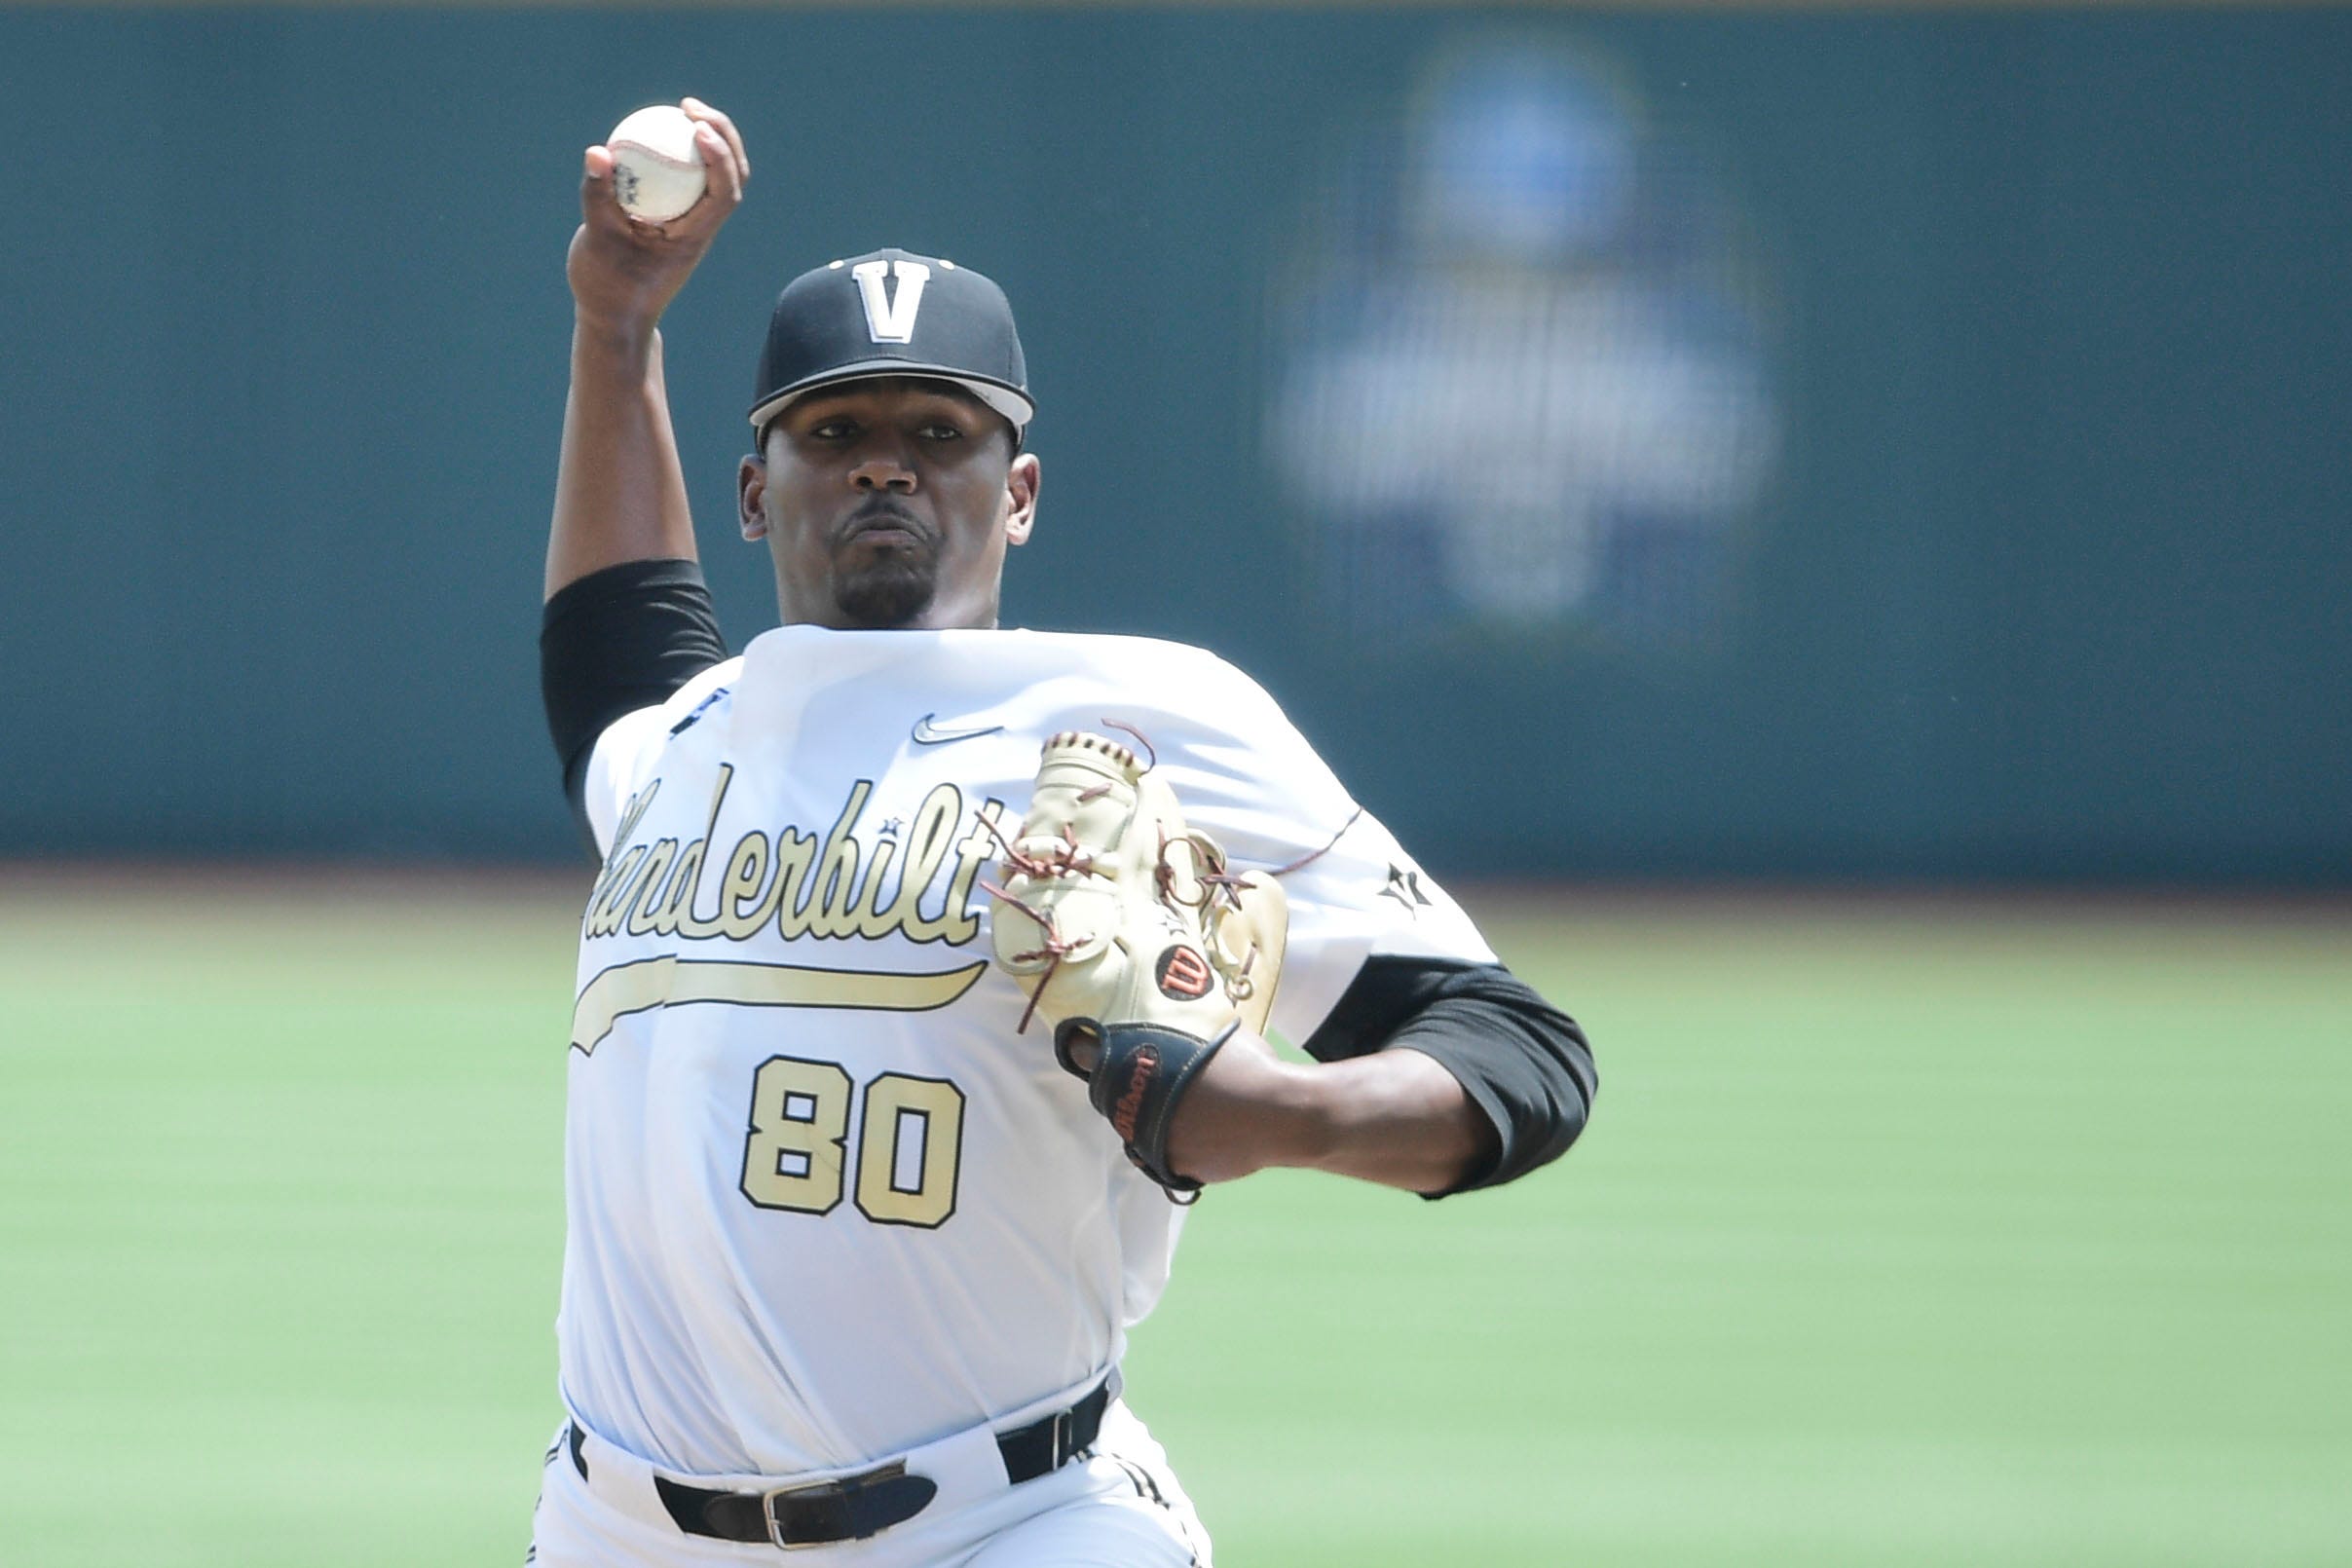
{"x":1521,"y":379}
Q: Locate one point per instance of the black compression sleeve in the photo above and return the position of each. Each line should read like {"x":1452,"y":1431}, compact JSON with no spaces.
{"x":1522,"y":1062}
{"x":617,"y":641}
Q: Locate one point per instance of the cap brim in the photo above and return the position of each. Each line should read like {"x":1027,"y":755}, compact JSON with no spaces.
{"x":1010,"y":401}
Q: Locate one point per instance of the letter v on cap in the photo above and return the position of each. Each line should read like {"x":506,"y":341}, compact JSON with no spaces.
{"x":891,"y":319}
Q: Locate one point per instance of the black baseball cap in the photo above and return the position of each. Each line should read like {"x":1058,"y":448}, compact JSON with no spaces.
{"x":893,"y":313}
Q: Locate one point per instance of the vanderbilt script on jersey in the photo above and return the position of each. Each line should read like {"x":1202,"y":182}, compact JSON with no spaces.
{"x":825,"y":1201}
{"x":839,"y":888}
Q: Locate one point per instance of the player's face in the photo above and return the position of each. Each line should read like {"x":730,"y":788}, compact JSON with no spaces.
{"x":888,"y":503}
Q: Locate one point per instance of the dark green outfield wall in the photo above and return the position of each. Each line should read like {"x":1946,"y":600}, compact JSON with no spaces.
{"x":2048,"y":579}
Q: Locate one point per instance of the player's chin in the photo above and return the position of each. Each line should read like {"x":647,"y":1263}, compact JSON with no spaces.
{"x":889,"y":593}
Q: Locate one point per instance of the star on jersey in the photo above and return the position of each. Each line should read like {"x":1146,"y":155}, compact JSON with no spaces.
{"x":1404,"y":887}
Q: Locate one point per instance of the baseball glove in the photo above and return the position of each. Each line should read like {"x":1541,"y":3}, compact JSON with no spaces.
{"x":1132,"y":938}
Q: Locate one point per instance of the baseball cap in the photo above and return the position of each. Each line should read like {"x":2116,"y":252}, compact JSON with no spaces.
{"x":892,"y":312}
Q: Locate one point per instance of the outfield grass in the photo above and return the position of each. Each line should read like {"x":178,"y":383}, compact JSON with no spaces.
{"x":1903,"y":1236}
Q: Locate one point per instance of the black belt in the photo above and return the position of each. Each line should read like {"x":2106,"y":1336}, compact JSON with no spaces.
{"x":855,"y":1506}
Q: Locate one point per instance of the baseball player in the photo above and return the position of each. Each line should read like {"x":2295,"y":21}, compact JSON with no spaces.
{"x":927,"y":975}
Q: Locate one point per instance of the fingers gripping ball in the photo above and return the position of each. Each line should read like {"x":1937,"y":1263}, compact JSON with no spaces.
{"x":657,"y":171}
{"x":1131,"y":938}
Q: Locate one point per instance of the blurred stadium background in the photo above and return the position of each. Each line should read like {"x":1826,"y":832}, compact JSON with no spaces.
{"x":1830,"y":524}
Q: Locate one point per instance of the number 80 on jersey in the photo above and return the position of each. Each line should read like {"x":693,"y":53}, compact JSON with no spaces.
{"x":910,"y":1142}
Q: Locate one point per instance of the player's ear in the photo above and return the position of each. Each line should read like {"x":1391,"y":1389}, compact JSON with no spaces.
{"x":1020,"y":497}
{"x":751,"y":491}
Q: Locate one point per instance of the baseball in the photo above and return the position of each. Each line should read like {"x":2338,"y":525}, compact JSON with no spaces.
{"x":656,"y":169}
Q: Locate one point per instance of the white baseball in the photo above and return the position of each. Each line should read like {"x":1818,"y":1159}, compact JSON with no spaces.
{"x":656,"y":169}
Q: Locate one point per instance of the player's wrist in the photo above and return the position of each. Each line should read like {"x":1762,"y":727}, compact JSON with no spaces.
{"x":1249,"y":1111}
{"x":623,"y":335}
{"x":1297,"y":1120}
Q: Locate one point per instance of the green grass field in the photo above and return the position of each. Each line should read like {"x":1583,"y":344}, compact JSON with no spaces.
{"x":1903,"y":1236}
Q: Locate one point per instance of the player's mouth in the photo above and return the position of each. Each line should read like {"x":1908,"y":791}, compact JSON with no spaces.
{"x":883,"y":525}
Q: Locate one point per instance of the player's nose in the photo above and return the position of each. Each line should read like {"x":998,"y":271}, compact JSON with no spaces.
{"x":884,"y":474}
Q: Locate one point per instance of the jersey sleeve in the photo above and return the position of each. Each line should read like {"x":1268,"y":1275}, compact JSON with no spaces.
{"x":1251,"y":780}
{"x":615,"y":643}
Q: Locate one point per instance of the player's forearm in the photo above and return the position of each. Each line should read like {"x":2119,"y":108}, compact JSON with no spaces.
{"x":619,"y":488}
{"x":1395,"y":1118}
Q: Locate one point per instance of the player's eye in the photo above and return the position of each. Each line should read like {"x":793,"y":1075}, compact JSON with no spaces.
{"x":837,"y":429}
{"x":941,"y":433}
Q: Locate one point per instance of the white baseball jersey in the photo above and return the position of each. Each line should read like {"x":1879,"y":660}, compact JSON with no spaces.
{"x":824,"y":1203}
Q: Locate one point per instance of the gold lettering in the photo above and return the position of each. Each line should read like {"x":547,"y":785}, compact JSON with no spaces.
{"x":832,"y":909}
{"x":929,"y":839}
{"x":679,"y":892}
{"x":679,"y":916}
{"x":612,"y":895}
{"x":871,"y":920}
{"x":796,"y":853}
{"x":615,"y":860}
{"x":957,"y":919}
{"x":835,"y":887}
{"x":746,"y":870}
{"x":644,"y":910}
{"x":634,"y":814}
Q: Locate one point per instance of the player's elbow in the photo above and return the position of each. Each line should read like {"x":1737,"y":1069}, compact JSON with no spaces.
{"x":1557,"y":1125}
{"x":1545,"y":1097}
{"x":1525,"y":1064}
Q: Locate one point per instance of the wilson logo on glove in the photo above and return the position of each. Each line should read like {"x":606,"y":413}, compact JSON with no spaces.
{"x":1184,"y":974}
{"x":1130,"y":1106}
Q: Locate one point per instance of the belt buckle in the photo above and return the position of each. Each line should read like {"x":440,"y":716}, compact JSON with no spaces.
{"x":775,"y":1526}
{"x":1056,"y":1435}
{"x":844,"y":1487}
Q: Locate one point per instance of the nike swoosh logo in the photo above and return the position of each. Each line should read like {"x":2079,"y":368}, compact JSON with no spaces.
{"x":929,"y":734}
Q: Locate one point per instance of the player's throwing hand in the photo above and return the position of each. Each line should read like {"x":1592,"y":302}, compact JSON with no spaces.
{"x":624,"y":272}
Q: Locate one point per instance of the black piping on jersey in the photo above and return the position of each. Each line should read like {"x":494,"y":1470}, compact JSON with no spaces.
{"x":614,"y":641}
{"x":1523,"y":1062}
{"x":631,"y":635}
{"x":1149,"y":1487}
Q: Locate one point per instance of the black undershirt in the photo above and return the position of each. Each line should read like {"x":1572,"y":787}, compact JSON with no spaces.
{"x":627,"y":637}
{"x":614,"y":641}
